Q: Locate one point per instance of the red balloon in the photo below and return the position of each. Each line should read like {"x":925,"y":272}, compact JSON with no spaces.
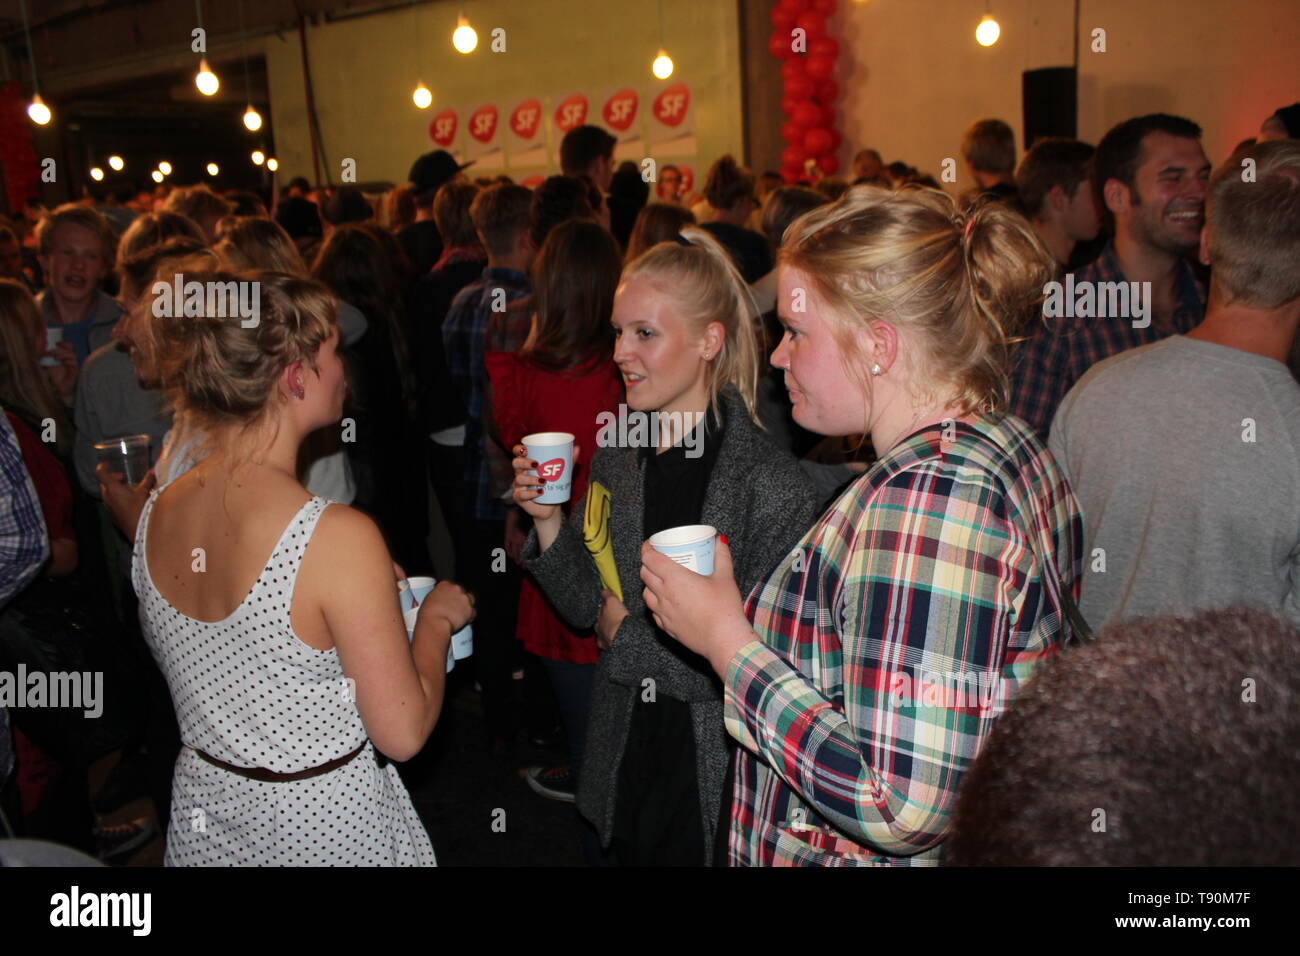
{"x":778,"y":44}
{"x":800,"y":87}
{"x":807,"y":115}
{"x":818,"y":141}
{"x":796,"y":6}
{"x":791,"y":174}
{"x":823,"y":46}
{"x":783,"y":19}
{"x":828,"y":117}
{"x":812,"y":23}
{"x":829,"y":164}
{"x":788,"y":105}
{"x":793,"y":66}
{"x":791,"y":133}
{"x":792,"y":157}
{"x":836,"y":139}
{"x":825,"y":7}
{"x":828,"y":91}
{"x":820,"y":68}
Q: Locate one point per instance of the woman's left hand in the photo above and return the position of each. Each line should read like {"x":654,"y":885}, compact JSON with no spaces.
{"x":612,"y":612}
{"x":705,"y":613}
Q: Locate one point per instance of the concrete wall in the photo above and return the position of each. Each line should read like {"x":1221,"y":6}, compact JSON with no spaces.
{"x":914,"y":77}
{"x":365,"y":69}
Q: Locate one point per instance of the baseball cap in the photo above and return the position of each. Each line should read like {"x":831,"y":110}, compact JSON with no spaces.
{"x":433,"y":169}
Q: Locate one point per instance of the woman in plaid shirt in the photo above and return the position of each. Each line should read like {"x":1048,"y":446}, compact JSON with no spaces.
{"x":863,"y":675}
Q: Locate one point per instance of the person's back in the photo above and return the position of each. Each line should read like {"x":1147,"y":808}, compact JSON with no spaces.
{"x":285,"y":660}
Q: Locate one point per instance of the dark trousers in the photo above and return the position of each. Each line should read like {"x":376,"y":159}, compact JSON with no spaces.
{"x":495,"y":580}
{"x":572,"y":685}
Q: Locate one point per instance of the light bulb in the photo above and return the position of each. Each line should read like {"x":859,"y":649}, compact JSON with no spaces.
{"x":96,"y":173}
{"x":40,"y":113}
{"x":422,"y":98}
{"x":662,"y":66}
{"x":116,"y":163}
{"x":213,"y":169}
{"x":157,"y":175}
{"x":272,"y":164}
{"x":165,"y":168}
{"x":987,"y":33}
{"x":252,"y":120}
{"x":258,"y":157}
{"x":464,"y":39}
{"x":206,"y":80}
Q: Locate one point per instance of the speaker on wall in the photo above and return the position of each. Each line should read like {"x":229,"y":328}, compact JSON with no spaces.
{"x":1050,"y":103}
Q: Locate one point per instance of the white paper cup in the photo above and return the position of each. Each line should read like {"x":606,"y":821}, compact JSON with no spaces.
{"x":411,"y":593}
{"x":553,"y":452}
{"x":690,"y":545}
{"x":53,"y":336}
{"x":127,"y":456}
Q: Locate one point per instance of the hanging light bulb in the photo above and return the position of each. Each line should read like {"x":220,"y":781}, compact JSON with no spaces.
{"x":662,"y":66}
{"x":252,"y":119}
{"x":464,"y":39}
{"x":157,"y":175}
{"x":165,"y":168}
{"x":96,"y":173}
{"x":272,"y":164}
{"x":987,"y":33}
{"x":206,"y":80}
{"x":258,"y":157}
{"x":213,"y":169}
{"x":422,"y":98}
{"x":116,"y":163}
{"x":40,"y":113}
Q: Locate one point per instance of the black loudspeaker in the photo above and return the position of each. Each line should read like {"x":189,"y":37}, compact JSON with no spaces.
{"x":1050,"y":98}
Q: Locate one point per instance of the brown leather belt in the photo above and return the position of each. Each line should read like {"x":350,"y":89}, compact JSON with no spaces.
{"x":271,"y":776}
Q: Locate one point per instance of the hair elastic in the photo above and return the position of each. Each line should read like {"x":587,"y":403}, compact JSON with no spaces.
{"x":682,"y":240}
{"x":966,"y":232}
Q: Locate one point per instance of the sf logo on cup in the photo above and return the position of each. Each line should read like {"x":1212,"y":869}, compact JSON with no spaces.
{"x":553,"y":452}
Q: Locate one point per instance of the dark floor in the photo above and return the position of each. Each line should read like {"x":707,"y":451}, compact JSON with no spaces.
{"x":477,"y":808}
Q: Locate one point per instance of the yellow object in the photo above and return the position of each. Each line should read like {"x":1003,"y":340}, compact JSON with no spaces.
{"x":595,"y":535}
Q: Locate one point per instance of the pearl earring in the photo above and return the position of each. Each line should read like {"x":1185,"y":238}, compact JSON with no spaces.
{"x":875,"y":369}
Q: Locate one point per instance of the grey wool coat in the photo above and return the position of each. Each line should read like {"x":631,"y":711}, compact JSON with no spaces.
{"x":764,"y":503}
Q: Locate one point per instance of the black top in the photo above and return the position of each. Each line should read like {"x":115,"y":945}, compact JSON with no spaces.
{"x":441,"y":405}
{"x":657,"y":817}
{"x":422,"y":243}
{"x":750,"y":251}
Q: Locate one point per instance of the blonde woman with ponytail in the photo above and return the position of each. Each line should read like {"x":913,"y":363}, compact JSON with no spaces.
{"x":685,"y":343}
{"x":865,"y":672}
{"x":273,"y":613}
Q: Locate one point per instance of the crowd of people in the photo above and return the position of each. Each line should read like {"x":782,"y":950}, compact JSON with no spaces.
{"x":942,"y":442}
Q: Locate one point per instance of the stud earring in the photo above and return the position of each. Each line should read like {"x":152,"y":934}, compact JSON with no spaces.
{"x":875,"y":369}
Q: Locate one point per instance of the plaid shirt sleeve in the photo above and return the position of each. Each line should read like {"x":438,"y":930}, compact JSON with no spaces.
{"x":24,"y":545}
{"x":925,"y":579}
{"x":1038,"y":377}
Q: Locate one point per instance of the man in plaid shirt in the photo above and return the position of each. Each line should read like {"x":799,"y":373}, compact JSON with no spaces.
{"x":1150,"y":178}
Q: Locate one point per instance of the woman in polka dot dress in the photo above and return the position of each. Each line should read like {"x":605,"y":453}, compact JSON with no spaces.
{"x":274,"y":614}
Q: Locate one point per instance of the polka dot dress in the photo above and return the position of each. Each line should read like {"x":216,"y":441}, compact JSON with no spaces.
{"x":248,"y":692}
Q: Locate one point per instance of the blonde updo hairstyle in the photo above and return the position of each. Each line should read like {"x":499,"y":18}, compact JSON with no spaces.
{"x":253,"y":243}
{"x":218,"y":373}
{"x":957,"y":286}
{"x":702,"y":282}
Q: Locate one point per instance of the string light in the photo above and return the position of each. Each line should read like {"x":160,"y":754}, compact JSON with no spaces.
{"x":206,"y":80}
{"x":165,"y":168}
{"x":37,"y":111}
{"x":987,"y":33}
{"x":258,"y":157}
{"x":464,"y":39}
{"x":157,"y":176}
{"x":422,"y":98}
{"x":213,"y":169}
{"x":272,"y":164}
{"x":40,"y":113}
{"x":116,"y":163}
{"x":252,"y":119}
{"x":662,"y":66}
{"x":96,"y":173}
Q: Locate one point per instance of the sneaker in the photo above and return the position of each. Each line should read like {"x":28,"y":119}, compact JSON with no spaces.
{"x":554,"y":783}
{"x":119,"y":841}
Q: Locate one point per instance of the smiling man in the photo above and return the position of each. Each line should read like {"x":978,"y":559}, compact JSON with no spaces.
{"x":76,"y":251}
{"x":1150,"y":177}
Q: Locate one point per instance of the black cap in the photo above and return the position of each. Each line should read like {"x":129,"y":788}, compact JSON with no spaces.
{"x":431,"y":170}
